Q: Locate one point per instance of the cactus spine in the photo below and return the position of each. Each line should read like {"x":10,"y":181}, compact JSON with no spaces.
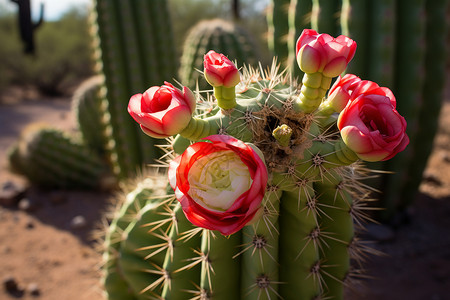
{"x":301,"y":245}
{"x":133,"y":53}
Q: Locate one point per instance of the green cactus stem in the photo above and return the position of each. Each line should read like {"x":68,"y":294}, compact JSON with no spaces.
{"x":432,"y":96}
{"x":299,"y":246}
{"x":226,"y":97}
{"x":355,"y":24}
{"x":86,"y":106}
{"x":132,"y":55}
{"x":383,"y":42}
{"x":278,"y":29}
{"x":313,"y":91}
{"x":324,"y":16}
{"x":51,"y":158}
{"x":259,"y":265}
{"x":182,"y":249}
{"x":409,"y":80}
{"x":299,"y":19}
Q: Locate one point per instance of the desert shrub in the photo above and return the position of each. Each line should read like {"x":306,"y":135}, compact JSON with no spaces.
{"x":62,"y":57}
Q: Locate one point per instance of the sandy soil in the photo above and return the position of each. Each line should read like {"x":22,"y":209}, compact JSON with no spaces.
{"x":42,"y":249}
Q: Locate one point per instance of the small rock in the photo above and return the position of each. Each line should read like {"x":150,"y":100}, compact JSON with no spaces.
{"x":27,"y":205}
{"x":33,"y":289}
{"x":11,"y":193}
{"x":380,"y":233}
{"x":11,"y":286}
{"x":78,"y":222}
{"x":29,"y":225}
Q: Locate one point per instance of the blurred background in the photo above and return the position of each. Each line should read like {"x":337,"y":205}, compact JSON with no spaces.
{"x":63,"y":55}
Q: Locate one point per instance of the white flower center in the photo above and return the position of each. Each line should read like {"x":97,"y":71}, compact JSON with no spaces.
{"x":218,"y":179}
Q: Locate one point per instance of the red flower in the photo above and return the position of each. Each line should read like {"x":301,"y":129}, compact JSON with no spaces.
{"x":220,"y":183}
{"x":323,"y":53}
{"x":162,"y":111}
{"x":370,"y":125}
{"x":340,"y":92}
{"x":220,"y":71}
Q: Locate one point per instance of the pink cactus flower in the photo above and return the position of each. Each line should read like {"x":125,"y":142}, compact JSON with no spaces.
{"x":220,"y":183}
{"x":220,"y":71}
{"x":340,"y":92}
{"x":370,"y":125}
{"x":162,"y":111}
{"x":323,"y":53}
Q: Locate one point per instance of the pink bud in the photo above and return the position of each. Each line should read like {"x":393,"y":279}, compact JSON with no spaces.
{"x":162,"y":111}
{"x":334,"y":53}
{"x":219,"y":70}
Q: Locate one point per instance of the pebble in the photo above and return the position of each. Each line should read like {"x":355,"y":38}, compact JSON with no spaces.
{"x":33,"y":289}
{"x":29,"y":225}
{"x":380,"y":233}
{"x":11,"y":286}
{"x":11,"y":193}
{"x":27,"y":205}
{"x":78,"y":222}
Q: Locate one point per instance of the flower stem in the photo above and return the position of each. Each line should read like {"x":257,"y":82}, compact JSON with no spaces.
{"x":226,"y":97}
{"x":314,"y":88}
{"x":197,"y":129}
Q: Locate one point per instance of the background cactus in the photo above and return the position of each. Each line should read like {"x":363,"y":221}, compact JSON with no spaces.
{"x":220,"y":35}
{"x":87,"y":108}
{"x":26,"y":25}
{"x":401,"y":45}
{"x":132,"y":56}
{"x":300,"y":248}
{"x":51,"y":158}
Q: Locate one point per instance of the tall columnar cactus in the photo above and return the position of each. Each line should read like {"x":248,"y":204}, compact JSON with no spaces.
{"x":400,"y":46}
{"x":222,"y":35}
{"x":267,"y":191}
{"x":134,"y":49}
{"x":278,"y":27}
{"x":26,"y":25}
{"x":49,"y":157}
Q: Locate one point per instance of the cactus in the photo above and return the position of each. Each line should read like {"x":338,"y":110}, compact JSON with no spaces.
{"x":86,"y":106}
{"x":51,"y":158}
{"x":221,"y":35}
{"x":278,"y":29}
{"x":299,"y":18}
{"x":431,"y":97}
{"x":400,"y":46}
{"x":300,"y":244}
{"x":26,"y":25}
{"x":325,"y":16}
{"x":134,"y":49}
